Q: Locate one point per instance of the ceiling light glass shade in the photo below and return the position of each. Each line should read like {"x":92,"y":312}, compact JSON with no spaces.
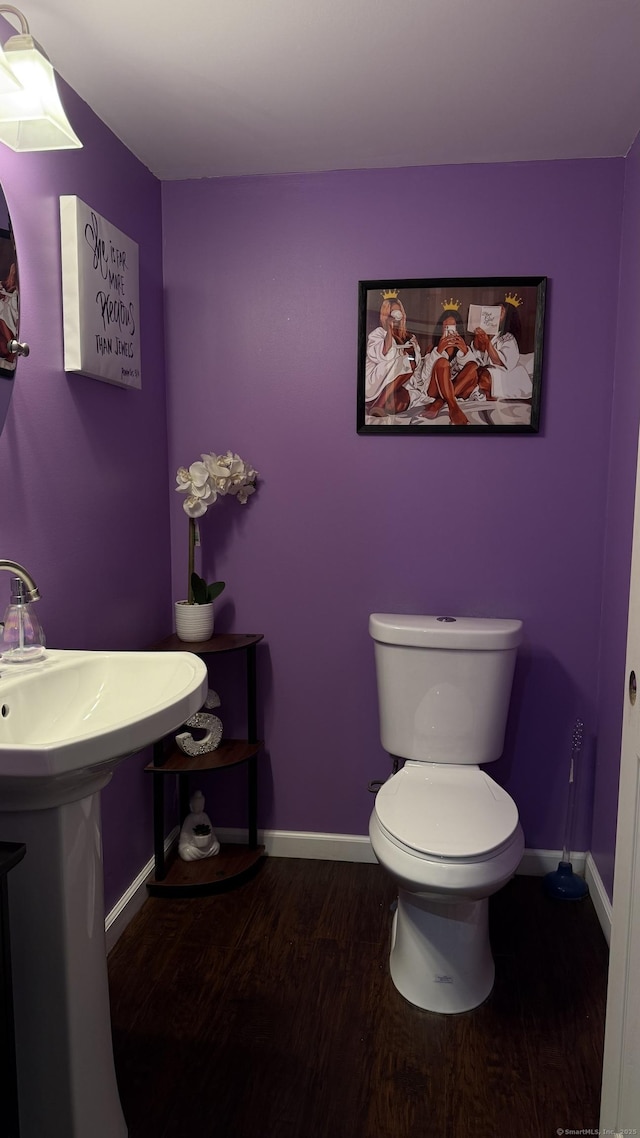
{"x":8,"y":81}
{"x":33,"y":117}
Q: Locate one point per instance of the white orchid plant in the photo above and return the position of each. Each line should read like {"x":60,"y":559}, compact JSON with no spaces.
{"x":216,"y":476}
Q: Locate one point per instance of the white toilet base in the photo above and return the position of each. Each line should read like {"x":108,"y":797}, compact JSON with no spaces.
{"x":440,"y":953}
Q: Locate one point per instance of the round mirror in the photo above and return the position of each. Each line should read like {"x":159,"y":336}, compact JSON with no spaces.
{"x":9,"y":308}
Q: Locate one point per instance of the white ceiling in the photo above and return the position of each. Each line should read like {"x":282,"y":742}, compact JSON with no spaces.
{"x":206,"y":88}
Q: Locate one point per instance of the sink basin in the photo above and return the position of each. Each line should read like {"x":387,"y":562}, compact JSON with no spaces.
{"x":65,"y":723}
{"x":79,"y":711}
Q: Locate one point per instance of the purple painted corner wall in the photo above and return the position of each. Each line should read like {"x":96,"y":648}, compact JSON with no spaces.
{"x":618,"y":534}
{"x":260,"y":276}
{"x":83,"y":464}
{"x":261,"y":315}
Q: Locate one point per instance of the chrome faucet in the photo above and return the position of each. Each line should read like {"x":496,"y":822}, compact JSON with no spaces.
{"x":33,"y":593}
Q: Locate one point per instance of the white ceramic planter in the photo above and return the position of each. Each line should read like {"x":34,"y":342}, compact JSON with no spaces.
{"x":201,"y":841}
{"x":194,"y":622}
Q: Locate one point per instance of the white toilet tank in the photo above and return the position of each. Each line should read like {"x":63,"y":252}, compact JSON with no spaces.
{"x":444,"y":685}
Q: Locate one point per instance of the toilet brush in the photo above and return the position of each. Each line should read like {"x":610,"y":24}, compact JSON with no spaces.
{"x":563,"y":884}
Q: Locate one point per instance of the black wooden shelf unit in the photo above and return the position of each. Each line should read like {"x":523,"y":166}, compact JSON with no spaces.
{"x":173,"y":876}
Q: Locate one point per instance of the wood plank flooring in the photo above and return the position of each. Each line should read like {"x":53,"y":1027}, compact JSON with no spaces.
{"x":268,"y":1012}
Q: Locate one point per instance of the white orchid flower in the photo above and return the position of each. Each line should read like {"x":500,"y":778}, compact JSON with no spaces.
{"x":244,"y":492}
{"x":183,"y":480}
{"x":207,"y":493}
{"x":228,"y":473}
{"x":192,"y":481}
{"x":213,"y":466}
{"x":198,"y":474}
{"x":235,"y":464}
{"x":194,"y":507}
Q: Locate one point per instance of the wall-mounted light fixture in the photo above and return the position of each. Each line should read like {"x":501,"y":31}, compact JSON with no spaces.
{"x":31,"y":114}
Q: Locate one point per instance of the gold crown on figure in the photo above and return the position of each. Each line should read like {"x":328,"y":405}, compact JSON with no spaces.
{"x":512,"y":298}
{"x":451,"y":305}
{"x":389,"y":294}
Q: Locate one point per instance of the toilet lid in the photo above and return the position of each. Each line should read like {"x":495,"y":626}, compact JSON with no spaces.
{"x":446,"y":811}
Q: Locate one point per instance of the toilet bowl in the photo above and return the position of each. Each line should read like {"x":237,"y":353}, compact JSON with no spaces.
{"x":447,"y":833}
{"x":447,"y":863}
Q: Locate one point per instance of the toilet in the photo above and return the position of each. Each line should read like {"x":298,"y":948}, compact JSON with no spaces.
{"x":447,"y":833}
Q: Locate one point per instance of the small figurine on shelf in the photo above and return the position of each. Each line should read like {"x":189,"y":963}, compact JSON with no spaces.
{"x":197,"y":839}
{"x":204,"y":722}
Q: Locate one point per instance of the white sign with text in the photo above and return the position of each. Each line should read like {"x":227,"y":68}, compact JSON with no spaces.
{"x":100,"y":296}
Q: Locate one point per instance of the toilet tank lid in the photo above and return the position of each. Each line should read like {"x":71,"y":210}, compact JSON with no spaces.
{"x":452,"y":632}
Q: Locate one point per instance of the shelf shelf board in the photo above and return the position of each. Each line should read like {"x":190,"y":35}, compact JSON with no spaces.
{"x":228,"y":754}
{"x":219,"y":642}
{"x":210,"y":875}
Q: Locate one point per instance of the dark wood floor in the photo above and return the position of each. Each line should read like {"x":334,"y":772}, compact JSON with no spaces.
{"x":268,"y":1012}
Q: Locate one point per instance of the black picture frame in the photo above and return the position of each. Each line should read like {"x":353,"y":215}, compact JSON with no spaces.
{"x":488,"y":382}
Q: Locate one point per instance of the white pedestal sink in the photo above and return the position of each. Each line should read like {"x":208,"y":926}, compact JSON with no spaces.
{"x":64,"y":725}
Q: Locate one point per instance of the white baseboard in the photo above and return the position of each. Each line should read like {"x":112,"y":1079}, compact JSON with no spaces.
{"x":599,"y":896}
{"x":356,"y":847}
{"x":342,"y":847}
{"x":535,"y":863}
{"x":311,"y":845}
{"x":132,"y":899}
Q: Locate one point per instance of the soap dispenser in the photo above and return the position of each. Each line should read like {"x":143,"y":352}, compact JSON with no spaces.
{"x":21,"y":638}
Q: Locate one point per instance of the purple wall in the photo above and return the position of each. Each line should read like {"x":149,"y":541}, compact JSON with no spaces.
{"x":618,"y":535}
{"x":261,"y":278}
{"x":261,"y":309}
{"x":83,"y":464}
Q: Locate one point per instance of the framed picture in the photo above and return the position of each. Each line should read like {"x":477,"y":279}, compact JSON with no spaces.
{"x":100,"y":296}
{"x":455,"y":356}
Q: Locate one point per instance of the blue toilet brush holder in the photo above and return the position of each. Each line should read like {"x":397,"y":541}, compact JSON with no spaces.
{"x":563,"y":884}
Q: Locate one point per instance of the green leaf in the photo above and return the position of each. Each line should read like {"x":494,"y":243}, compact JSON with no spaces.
{"x":203,"y":594}
{"x":214,"y":589}
{"x":199,"y":589}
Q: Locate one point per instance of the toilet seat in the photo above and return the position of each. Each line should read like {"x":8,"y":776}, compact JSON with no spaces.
{"x":441,"y":811}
